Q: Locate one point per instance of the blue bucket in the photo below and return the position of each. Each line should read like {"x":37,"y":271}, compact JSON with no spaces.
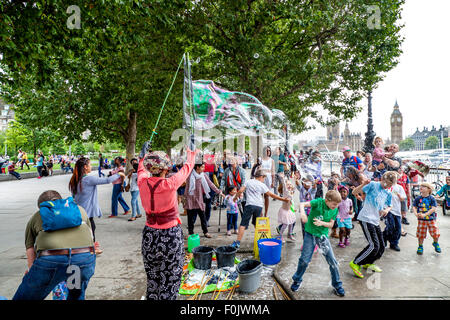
{"x":270,"y":253}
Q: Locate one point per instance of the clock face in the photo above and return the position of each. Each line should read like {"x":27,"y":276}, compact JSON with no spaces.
{"x":392,"y":120}
{"x":399,"y":120}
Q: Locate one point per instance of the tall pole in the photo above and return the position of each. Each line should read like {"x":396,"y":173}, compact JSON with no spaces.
{"x":370,"y":134}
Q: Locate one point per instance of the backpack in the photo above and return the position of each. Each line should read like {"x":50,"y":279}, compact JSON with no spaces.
{"x":60,"y":214}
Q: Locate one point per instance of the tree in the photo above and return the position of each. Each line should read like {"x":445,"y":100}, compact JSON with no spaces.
{"x":447,"y":143}
{"x":297,"y":56}
{"x":432,"y":142}
{"x":407,"y":144}
{"x":111,"y":75}
{"x":16,"y":135}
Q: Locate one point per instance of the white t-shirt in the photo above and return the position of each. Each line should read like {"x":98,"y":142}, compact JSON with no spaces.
{"x":396,"y":203}
{"x":376,"y":200}
{"x":254,"y":191}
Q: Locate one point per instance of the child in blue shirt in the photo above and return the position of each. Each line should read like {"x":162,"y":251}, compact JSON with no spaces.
{"x":424,"y":208}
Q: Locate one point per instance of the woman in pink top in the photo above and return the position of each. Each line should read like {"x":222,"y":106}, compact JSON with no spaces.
{"x":162,"y":239}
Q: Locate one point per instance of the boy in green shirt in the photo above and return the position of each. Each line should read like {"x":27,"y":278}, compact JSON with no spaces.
{"x":321,"y":218}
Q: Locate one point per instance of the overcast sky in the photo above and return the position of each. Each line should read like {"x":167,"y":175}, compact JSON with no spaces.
{"x":420,"y":82}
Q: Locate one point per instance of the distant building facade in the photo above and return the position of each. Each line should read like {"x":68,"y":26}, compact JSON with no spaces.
{"x":6,"y":115}
{"x":336,"y":140}
{"x":420,"y":137}
{"x":396,"y":125}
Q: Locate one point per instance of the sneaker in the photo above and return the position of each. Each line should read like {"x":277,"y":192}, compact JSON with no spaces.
{"x":295,"y":286}
{"x":278,"y":229}
{"x":125,"y":213}
{"x":111,"y":216}
{"x":346,"y":242}
{"x":282,"y":240}
{"x":339,"y":292}
{"x":420,"y":249}
{"x":235,"y":231}
{"x":405,"y":221}
{"x":291,"y":238}
{"x":341,"y":244}
{"x":315,"y":248}
{"x":228,"y":233}
{"x":437,"y":248}
{"x":207,"y":235}
{"x":356,"y":269}
{"x":236,"y":244}
{"x":395,"y":247}
{"x":371,"y":266}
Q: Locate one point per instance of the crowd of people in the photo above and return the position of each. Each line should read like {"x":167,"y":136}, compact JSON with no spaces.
{"x":368,"y":189}
{"x":44,"y":164}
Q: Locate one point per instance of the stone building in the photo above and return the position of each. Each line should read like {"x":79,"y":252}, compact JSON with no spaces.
{"x":6,"y":115}
{"x":420,"y":137}
{"x":336,"y":140}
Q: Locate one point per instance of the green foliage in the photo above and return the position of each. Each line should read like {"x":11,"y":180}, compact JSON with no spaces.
{"x":407,"y":144}
{"x":296,"y":55}
{"x":16,"y":135}
{"x":447,"y":143}
{"x":432,"y":143}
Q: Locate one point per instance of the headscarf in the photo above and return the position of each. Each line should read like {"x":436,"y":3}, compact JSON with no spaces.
{"x":157,"y":161}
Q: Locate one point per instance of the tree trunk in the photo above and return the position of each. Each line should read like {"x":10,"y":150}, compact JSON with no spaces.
{"x":130,"y":139}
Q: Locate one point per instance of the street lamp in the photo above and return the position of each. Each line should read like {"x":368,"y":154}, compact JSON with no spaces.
{"x":370,"y":134}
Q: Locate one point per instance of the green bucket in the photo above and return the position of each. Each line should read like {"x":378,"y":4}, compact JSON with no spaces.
{"x":193,"y":241}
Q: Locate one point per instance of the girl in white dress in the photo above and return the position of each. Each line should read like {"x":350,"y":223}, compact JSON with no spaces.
{"x":286,"y":217}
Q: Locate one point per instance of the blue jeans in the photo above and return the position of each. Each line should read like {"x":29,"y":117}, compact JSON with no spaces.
{"x":135,"y":203}
{"x":116,"y":198}
{"x":393,"y":230}
{"x":100,"y":173}
{"x":47,"y":271}
{"x":309,"y":242}
{"x":15,"y":174}
{"x":232,"y":219}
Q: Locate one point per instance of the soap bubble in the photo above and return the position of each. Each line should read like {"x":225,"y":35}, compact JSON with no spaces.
{"x":232,"y":113}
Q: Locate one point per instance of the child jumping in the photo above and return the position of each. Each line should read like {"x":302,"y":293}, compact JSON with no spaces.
{"x":344,"y":217}
{"x":286,"y":217}
{"x":377,"y":203}
{"x":425,"y":210}
{"x":317,"y":224}
{"x":232,"y":210}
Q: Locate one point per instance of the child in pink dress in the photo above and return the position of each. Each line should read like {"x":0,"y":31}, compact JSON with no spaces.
{"x":286,"y":217}
{"x":344,"y":217}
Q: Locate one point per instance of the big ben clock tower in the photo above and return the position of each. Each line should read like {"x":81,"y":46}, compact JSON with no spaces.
{"x":396,"y":125}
